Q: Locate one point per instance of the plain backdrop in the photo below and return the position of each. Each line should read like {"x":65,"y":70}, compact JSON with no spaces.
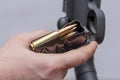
{"x":18,"y":16}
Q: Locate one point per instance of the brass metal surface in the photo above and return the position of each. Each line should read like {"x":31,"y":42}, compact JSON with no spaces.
{"x":59,"y":33}
{"x":69,"y":37}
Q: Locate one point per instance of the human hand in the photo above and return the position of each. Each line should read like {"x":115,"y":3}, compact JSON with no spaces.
{"x":17,"y":62}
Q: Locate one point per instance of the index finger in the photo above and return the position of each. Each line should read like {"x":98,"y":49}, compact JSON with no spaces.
{"x":78,"y":56}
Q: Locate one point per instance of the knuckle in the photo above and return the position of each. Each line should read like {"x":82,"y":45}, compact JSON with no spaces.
{"x":43,"y":76}
{"x":53,"y":67}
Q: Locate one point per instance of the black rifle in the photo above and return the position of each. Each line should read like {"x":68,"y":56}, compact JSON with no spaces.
{"x":84,"y":21}
{"x":87,"y":12}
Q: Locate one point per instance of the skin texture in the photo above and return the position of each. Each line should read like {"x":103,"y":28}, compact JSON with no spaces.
{"x":17,"y":62}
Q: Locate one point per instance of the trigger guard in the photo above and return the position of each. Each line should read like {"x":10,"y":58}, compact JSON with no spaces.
{"x":98,"y":22}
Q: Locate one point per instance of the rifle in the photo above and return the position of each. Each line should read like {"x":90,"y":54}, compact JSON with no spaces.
{"x":90,"y":15}
{"x":84,"y":21}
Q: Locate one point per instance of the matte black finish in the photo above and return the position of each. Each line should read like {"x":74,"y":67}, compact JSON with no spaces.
{"x":85,"y":11}
{"x":86,"y":71}
{"x":88,"y":12}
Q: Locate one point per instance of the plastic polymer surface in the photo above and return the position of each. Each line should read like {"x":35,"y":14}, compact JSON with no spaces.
{"x":84,"y":22}
{"x":89,"y":14}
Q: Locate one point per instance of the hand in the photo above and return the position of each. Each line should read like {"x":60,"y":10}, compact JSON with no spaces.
{"x":17,"y":62}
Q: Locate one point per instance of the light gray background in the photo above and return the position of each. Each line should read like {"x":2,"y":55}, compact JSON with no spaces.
{"x":18,"y":16}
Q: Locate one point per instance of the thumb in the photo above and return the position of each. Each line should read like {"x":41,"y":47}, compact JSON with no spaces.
{"x":78,"y":56}
{"x":27,"y":38}
{"x":34,"y":35}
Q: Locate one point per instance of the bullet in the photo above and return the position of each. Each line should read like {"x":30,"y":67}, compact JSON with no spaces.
{"x":69,"y":35}
{"x":66,"y":29}
{"x":59,"y":33}
{"x":67,"y":32}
